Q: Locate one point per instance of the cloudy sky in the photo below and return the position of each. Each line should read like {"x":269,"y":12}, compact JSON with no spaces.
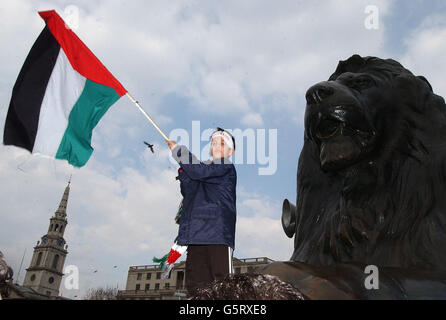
{"x":242,"y":65}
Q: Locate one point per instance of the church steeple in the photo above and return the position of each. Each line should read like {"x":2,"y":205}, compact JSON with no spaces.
{"x":45,"y":272}
{"x":62,"y":210}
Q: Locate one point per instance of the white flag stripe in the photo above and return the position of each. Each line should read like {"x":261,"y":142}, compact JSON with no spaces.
{"x":64,"y":89}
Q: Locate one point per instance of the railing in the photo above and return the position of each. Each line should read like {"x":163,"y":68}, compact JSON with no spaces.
{"x":161,"y":291}
{"x":151,"y":266}
{"x":261,"y":259}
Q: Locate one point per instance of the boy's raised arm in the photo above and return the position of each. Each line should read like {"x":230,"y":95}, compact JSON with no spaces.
{"x":194,"y":168}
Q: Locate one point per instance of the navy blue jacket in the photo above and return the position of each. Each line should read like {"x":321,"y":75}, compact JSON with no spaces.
{"x":209,"y":210}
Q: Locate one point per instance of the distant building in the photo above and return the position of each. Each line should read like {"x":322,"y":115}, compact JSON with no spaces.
{"x":44,"y":275}
{"x":145,"y":283}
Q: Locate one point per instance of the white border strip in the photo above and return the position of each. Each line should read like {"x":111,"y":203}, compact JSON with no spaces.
{"x":231,"y":268}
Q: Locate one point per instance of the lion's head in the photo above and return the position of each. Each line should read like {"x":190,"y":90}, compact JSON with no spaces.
{"x":372,"y":172}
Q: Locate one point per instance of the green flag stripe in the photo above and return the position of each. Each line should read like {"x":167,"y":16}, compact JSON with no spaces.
{"x":92,"y":104}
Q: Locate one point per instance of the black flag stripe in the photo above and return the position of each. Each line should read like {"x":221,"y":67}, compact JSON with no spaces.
{"x":24,"y":109}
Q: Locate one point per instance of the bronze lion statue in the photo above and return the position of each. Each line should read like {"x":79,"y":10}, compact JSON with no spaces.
{"x":371,"y":188}
{"x":372,"y":172}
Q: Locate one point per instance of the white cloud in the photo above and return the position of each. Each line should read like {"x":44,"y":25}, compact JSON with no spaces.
{"x":425,"y":52}
{"x":259,"y":236}
{"x":259,"y":229}
{"x":252,"y":120}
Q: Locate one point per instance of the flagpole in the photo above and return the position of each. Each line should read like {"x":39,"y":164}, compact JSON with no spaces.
{"x":147,"y":116}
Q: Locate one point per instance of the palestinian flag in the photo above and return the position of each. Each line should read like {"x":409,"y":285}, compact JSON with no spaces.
{"x":60,"y":95}
{"x":166,"y":263}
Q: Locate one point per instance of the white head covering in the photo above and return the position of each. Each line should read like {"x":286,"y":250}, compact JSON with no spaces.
{"x":225,"y":136}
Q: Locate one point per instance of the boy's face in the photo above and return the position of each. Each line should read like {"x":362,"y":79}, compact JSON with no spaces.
{"x":219,"y":149}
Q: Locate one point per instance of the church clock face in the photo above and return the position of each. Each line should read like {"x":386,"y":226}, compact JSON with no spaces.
{"x":44,"y":239}
{"x":60,"y":242}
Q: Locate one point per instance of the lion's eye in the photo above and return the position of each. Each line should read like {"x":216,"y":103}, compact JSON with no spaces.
{"x":363,"y":83}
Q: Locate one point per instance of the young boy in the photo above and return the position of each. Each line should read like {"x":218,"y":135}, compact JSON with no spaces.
{"x":207,"y":222}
